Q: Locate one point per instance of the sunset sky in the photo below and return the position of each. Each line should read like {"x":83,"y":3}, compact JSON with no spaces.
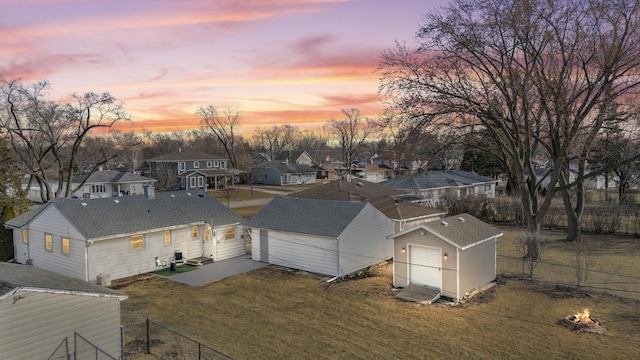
{"x":276,"y":61}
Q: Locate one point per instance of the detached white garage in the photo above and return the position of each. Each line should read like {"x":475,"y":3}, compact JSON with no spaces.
{"x":454,"y":255}
{"x":322,"y":236}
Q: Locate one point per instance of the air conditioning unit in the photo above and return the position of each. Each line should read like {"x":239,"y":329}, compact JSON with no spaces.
{"x":104,"y":280}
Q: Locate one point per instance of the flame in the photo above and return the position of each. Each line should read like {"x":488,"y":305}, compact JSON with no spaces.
{"x":583,"y":317}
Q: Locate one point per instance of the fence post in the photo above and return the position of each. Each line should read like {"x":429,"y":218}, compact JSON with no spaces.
{"x":148,"y":339}
{"x":121,"y":342}
{"x":199,"y":350}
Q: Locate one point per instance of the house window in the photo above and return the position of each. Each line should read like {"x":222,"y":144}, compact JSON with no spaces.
{"x":167,"y":237}
{"x":209,"y":164}
{"x":182,"y":165}
{"x":48,"y":242}
{"x":200,"y":182}
{"x":192,"y":182}
{"x":25,"y":236}
{"x":230,"y":233}
{"x":194,"y":232}
{"x":207,"y":234}
{"x":487,"y":188}
{"x":216,"y":164}
{"x":137,"y":242}
{"x":65,"y":246}
{"x":223,"y":164}
{"x":196,"y":164}
{"x":100,"y":188}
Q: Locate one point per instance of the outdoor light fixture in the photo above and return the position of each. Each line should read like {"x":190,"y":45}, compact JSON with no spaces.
{"x":446,"y":256}
{"x":403,"y":250}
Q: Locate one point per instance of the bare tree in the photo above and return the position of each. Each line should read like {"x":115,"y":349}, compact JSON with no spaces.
{"x":129,"y":146}
{"x":222,"y":123}
{"x":166,"y":175}
{"x":272,"y":141}
{"x":351,"y":134}
{"x":536,"y":75}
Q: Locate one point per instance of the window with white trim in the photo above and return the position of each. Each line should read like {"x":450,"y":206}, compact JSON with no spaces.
{"x":216,"y":164}
{"x":209,"y":163}
{"x":192,"y":182}
{"x":48,"y":242}
{"x":230,"y":233}
{"x":194,"y":232}
{"x":200,"y":182}
{"x":25,"y":236}
{"x":182,"y":165}
{"x":196,"y":164}
{"x":65,"y":246}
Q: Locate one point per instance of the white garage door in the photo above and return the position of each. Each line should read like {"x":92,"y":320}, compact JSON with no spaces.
{"x":424,"y":267}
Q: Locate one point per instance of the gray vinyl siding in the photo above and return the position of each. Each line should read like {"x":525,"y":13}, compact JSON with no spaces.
{"x":477,"y":266}
{"x":226,"y":249}
{"x":19,"y":247}
{"x":273,"y":177}
{"x":305,"y":252}
{"x":363,"y":242}
{"x":116,"y":258}
{"x":33,"y":326}
{"x":52,"y":222}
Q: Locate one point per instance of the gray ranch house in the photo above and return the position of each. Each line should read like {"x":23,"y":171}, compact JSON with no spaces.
{"x":327,"y":237}
{"x":121,"y":237}
{"x":434,"y":186}
{"x":454,"y":255}
{"x":282,"y":173}
{"x":192,"y":170}
{"x":48,"y":316}
{"x":109,"y":183}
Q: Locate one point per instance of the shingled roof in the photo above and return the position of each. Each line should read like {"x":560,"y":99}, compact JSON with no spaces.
{"x":436,"y":179}
{"x":187,"y":155}
{"x":354,"y":190}
{"x":284,"y":168}
{"x":112,"y":176}
{"x":108,"y":217}
{"x":462,"y":231}
{"x":307,"y":216}
{"x":16,"y":277}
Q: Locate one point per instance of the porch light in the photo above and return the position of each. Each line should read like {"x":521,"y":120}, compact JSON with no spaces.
{"x":445,"y":256}
{"x":403,"y":250}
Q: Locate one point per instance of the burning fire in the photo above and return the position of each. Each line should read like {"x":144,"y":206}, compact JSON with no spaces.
{"x":583,"y":317}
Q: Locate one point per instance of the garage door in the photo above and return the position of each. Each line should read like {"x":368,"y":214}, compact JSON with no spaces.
{"x":424,"y":267}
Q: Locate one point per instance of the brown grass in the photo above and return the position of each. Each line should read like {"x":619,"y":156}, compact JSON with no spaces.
{"x":275,"y":313}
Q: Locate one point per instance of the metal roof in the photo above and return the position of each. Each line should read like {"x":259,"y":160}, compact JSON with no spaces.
{"x":327,"y":218}
{"x":107,"y":217}
{"x":16,"y":277}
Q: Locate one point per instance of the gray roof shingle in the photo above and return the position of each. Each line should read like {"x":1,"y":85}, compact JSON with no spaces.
{"x":111,"y":176}
{"x":101,"y":218}
{"x":187,"y":155}
{"x":307,"y":216}
{"x":436,"y":179}
{"x":13,"y":277}
{"x":283,"y":168}
{"x":462,"y":230}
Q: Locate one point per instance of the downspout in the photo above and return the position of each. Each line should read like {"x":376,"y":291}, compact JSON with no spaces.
{"x":338,"y":272}
{"x":86,"y":261}
{"x":458,"y":273}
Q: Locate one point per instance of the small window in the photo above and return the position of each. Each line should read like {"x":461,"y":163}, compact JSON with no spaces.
{"x":223,"y":164}
{"x":65,"y":246}
{"x":25,"y":236}
{"x":230,"y":233}
{"x":207,"y":234}
{"x":196,"y":164}
{"x":182,"y":165}
{"x":216,"y":164}
{"x":48,"y":242}
{"x":192,"y":182}
{"x":200,"y":182}
{"x":167,"y":237}
{"x":194,"y":232}
{"x":209,"y":164}
{"x":137,"y":242}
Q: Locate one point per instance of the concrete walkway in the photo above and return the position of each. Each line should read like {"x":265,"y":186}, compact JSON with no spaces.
{"x":218,"y":270}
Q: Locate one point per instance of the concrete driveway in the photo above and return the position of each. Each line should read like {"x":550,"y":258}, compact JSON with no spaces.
{"x":218,"y":270}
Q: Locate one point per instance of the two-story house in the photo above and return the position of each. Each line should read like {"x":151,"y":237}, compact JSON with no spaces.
{"x":191,"y":170}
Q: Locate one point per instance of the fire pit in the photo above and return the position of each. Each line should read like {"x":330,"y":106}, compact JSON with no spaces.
{"x":582,"y":322}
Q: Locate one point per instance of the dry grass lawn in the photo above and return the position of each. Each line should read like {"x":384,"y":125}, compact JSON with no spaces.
{"x":275,"y":313}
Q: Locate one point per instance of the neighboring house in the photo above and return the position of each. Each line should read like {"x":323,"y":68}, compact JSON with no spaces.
{"x":122,"y":236}
{"x":109,"y":183}
{"x":378,"y":173}
{"x":437,"y":185}
{"x":327,"y":237}
{"x":50,"y":316}
{"x":299,"y":157}
{"x":192,"y":170}
{"x":282,"y":173}
{"x":403,"y":213}
{"x":454,"y":255}
{"x":330,"y":170}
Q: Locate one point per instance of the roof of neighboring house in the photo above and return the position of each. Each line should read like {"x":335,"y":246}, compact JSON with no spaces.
{"x":377,"y":167}
{"x":16,"y":277}
{"x":354,"y":190}
{"x":462,"y":231}
{"x":212,"y":172}
{"x":109,"y":217}
{"x":307,"y":216}
{"x":283,"y":168}
{"x":187,"y":155}
{"x":111,"y":176}
{"x":291,"y":155}
{"x":436,"y":179}
{"x":403,"y":210}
